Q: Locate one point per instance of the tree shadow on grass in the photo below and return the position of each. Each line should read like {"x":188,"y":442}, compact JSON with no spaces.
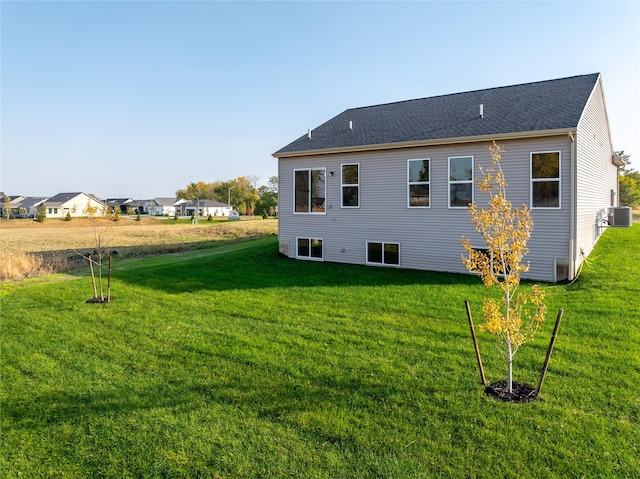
{"x":261,"y":266}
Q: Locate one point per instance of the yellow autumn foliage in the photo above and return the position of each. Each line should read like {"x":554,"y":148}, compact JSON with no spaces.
{"x":516,"y":316}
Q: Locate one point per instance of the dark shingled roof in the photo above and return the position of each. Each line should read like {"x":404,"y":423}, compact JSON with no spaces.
{"x":530,"y":107}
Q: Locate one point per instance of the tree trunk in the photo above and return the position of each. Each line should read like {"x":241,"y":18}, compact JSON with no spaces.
{"x":109,"y":282}
{"x":509,"y":367}
{"x":509,"y":348}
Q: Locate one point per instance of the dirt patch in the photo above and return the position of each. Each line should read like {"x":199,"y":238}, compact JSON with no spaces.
{"x":99,"y":301}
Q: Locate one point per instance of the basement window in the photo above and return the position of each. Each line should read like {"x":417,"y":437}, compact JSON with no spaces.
{"x":383,"y":253}
{"x":309,"y":248}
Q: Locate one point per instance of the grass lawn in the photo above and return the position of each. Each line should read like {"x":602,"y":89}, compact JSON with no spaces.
{"x":249,"y":365}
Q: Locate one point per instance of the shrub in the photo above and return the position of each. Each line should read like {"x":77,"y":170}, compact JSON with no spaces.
{"x":630,"y":188}
{"x":42,"y":214}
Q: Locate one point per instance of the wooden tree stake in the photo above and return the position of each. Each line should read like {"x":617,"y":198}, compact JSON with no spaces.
{"x":109,"y":282}
{"x":93,"y":277}
{"x":551,"y":343}
{"x":475,"y":343}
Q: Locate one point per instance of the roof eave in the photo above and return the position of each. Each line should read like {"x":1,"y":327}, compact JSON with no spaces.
{"x":422,"y":143}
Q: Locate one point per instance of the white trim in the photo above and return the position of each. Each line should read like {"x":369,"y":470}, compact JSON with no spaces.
{"x":410,"y":183}
{"x":342,"y":184}
{"x":449,"y":182}
{"x":541,"y":180}
{"x":311,"y":212}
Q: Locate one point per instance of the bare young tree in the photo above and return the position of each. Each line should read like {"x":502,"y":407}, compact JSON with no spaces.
{"x":101,"y":237}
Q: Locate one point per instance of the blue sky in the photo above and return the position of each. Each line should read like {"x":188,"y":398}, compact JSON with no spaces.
{"x":137,"y":99}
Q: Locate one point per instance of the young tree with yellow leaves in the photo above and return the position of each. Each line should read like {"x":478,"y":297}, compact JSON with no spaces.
{"x":517,"y":315}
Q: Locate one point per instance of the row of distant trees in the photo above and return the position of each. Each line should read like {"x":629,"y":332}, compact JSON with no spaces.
{"x":629,"y":190}
{"x":243,"y":193}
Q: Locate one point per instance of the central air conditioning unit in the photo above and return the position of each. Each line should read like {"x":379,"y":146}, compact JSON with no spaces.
{"x":620,"y":216}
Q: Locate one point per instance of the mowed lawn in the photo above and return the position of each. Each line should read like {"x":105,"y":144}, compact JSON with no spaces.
{"x":239,"y":363}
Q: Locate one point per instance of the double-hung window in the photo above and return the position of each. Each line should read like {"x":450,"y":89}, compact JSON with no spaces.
{"x":309,"y":248}
{"x":419,"y":184}
{"x":350,"y":175}
{"x":310,"y":191}
{"x":545,"y":179}
{"x":460,"y":181}
{"x":383,"y":253}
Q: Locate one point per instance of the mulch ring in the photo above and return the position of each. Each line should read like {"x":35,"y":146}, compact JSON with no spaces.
{"x":98,"y":301}
{"x":521,"y":393}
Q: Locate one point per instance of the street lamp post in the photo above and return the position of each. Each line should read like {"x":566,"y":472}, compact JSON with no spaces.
{"x":195,"y":214}
{"x":229,"y":197}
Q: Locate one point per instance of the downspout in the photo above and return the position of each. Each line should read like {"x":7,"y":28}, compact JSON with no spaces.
{"x":573,"y":225}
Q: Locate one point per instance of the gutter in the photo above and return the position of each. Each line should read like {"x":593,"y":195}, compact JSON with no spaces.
{"x":422,"y":143}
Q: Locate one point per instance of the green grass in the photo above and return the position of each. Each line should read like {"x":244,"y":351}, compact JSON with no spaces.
{"x":249,"y":365}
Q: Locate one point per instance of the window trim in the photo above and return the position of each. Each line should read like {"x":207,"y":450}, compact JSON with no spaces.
{"x":449,"y":182}
{"x":541,"y":180}
{"x":410,"y":183}
{"x":311,"y":212}
{"x":343,"y":184}
{"x":309,"y":258}
{"x":383,"y":243}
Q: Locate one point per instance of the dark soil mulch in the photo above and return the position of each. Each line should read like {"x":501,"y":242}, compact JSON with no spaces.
{"x":521,"y":393}
{"x":98,"y":301}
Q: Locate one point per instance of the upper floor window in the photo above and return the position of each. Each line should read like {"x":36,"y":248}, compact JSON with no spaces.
{"x":419,"y":184}
{"x":460,"y":181}
{"x":310,"y":191}
{"x":350,"y":185}
{"x":545,"y":179}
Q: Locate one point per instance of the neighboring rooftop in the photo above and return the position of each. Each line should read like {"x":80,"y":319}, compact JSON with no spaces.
{"x":61,"y":198}
{"x":529,"y":107}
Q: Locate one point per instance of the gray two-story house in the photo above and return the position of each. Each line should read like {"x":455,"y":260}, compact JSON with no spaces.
{"x":389,"y":185}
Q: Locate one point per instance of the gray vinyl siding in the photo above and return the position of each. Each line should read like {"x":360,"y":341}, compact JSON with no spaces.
{"x":596,"y":175}
{"x":429,"y":238}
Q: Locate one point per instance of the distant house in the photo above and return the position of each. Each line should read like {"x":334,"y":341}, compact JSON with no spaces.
{"x":141,"y":207}
{"x":163,"y":206}
{"x":74,"y":204}
{"x":28,"y":207}
{"x":114,"y":203}
{"x":11,"y":203}
{"x":130,"y":206}
{"x":389,"y":185}
{"x":21,"y":206}
{"x":206,"y":208}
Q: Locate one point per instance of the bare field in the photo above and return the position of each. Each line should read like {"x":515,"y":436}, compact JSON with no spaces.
{"x":57,"y":242}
